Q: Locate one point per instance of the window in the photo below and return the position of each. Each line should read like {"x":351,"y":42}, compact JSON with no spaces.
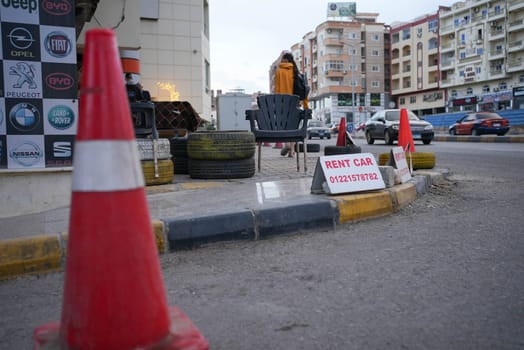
{"x":413,"y":99}
{"x":503,"y":86}
{"x":375,"y":53}
{"x":406,"y":34}
{"x":375,"y":68}
{"x":352,"y":35}
{"x":521,"y":78}
{"x":469,"y":91}
{"x":334,"y":65}
{"x":485,"y":88}
{"x":208,"y":75}
{"x":478,"y":70}
{"x":375,"y":83}
{"x":375,"y":37}
{"x":454,"y":93}
{"x":433,"y":25}
{"x":402,"y":101}
{"x":462,"y":55}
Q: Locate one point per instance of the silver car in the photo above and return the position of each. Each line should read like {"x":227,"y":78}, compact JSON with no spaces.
{"x":316,"y":128}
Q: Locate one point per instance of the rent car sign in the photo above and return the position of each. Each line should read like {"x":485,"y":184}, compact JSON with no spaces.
{"x":351,"y":173}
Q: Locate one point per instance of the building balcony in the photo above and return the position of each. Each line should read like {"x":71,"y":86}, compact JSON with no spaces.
{"x":515,"y":65}
{"x":332,"y":42}
{"x":447,"y":29}
{"x":496,"y":34}
{"x":496,"y":73}
{"x":515,"y":26}
{"x":515,"y":46}
{"x":447,"y":64}
{"x":494,"y":14}
{"x":447,"y":47}
{"x":514,"y":5}
{"x":496,"y":54}
{"x":336,"y":73}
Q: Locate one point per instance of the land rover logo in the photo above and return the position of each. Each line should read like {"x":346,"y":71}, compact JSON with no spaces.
{"x":24,"y":116}
{"x":61,"y":117}
{"x":58,"y":44}
{"x":57,"y":7}
{"x":21,"y":38}
{"x":26,"y":154}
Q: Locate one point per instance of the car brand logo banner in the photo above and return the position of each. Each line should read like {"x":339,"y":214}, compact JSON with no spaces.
{"x":38,"y":85}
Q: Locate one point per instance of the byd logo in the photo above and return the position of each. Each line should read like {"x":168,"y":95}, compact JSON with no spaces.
{"x":59,"y":81}
{"x":57,"y":7}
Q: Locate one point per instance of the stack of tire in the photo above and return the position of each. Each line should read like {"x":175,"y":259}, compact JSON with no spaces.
{"x":336,"y":150}
{"x":164,"y":164}
{"x":179,"y":154}
{"x":221,"y":154}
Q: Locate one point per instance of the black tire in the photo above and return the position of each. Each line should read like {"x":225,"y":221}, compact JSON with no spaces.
{"x":421,"y":160}
{"x":388,"y":139}
{"x":178,"y":146}
{"x":165,"y":172}
{"x":369,"y":139}
{"x":221,"y":169}
{"x":329,"y":137}
{"x":221,"y":145}
{"x":453,"y":131}
{"x":475,"y":132}
{"x":426,"y":141}
{"x":145,"y":149}
{"x":311,"y":147}
{"x":180,"y":165}
{"x":334,"y":150}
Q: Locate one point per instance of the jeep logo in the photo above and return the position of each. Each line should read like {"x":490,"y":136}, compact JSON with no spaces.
{"x":29,"y":5}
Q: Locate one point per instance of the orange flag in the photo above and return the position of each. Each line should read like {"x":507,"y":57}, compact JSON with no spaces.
{"x":405,"y":138}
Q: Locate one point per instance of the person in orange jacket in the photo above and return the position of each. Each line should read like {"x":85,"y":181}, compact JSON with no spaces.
{"x":284,"y":77}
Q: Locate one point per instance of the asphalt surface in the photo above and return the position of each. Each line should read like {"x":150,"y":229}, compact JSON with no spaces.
{"x":189,"y":211}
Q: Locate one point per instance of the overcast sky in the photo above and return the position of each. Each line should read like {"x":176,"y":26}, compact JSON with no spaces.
{"x":246,"y":36}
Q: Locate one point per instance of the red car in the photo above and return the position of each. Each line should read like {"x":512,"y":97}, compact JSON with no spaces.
{"x":479,"y":123}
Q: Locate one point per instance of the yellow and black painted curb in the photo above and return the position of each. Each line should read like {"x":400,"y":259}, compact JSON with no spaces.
{"x":47,"y":253}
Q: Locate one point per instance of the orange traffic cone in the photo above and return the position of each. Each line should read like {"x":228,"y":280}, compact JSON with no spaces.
{"x":341,"y":138}
{"x":405,"y":138}
{"x":114,"y":296}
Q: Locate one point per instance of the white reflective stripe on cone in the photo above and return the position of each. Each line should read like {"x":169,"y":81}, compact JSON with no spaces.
{"x":106,"y":166}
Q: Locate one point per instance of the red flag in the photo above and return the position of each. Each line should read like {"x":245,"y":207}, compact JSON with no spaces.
{"x":405,"y":138}
{"x":341,"y":139}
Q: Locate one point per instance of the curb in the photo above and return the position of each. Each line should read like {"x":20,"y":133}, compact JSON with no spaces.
{"x":46,"y":253}
{"x":484,"y":138}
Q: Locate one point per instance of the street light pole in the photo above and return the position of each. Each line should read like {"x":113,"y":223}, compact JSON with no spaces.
{"x":352,"y":84}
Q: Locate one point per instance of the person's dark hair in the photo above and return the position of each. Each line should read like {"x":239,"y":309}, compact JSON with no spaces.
{"x":129,"y":76}
{"x":288,"y":56}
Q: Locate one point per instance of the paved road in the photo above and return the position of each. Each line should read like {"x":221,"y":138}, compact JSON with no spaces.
{"x":446,"y":272}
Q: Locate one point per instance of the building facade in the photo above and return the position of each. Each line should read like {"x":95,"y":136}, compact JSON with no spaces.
{"x":482,"y":54}
{"x":170,"y":39}
{"x":344,"y":62}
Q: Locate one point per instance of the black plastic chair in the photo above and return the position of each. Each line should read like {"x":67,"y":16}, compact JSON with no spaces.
{"x":279,"y":119}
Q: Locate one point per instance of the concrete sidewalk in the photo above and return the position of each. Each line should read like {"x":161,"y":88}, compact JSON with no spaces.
{"x":189,"y":212}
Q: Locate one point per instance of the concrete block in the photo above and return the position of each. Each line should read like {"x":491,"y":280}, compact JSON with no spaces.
{"x":363,"y":206}
{"x":388,"y":175}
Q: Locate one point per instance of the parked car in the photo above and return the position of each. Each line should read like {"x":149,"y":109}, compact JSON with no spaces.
{"x":385,"y":125}
{"x":316,"y":128}
{"x":478,"y":123}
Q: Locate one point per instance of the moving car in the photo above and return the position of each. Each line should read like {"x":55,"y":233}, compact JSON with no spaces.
{"x":478,"y":123}
{"x":385,"y":125}
{"x":316,"y":128}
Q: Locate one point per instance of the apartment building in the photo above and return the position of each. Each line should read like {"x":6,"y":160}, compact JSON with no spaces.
{"x":415,"y":66}
{"x":170,"y":39}
{"x":344,"y":61}
{"x":482,"y":54}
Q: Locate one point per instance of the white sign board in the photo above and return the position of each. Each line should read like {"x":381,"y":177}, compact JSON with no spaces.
{"x":347,"y":173}
{"x":398,"y":160}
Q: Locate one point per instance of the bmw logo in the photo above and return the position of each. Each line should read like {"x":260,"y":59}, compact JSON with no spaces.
{"x":24,"y":116}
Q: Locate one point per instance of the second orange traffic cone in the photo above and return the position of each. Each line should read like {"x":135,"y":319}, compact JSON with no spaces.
{"x":114,"y":296}
{"x":405,"y":138}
